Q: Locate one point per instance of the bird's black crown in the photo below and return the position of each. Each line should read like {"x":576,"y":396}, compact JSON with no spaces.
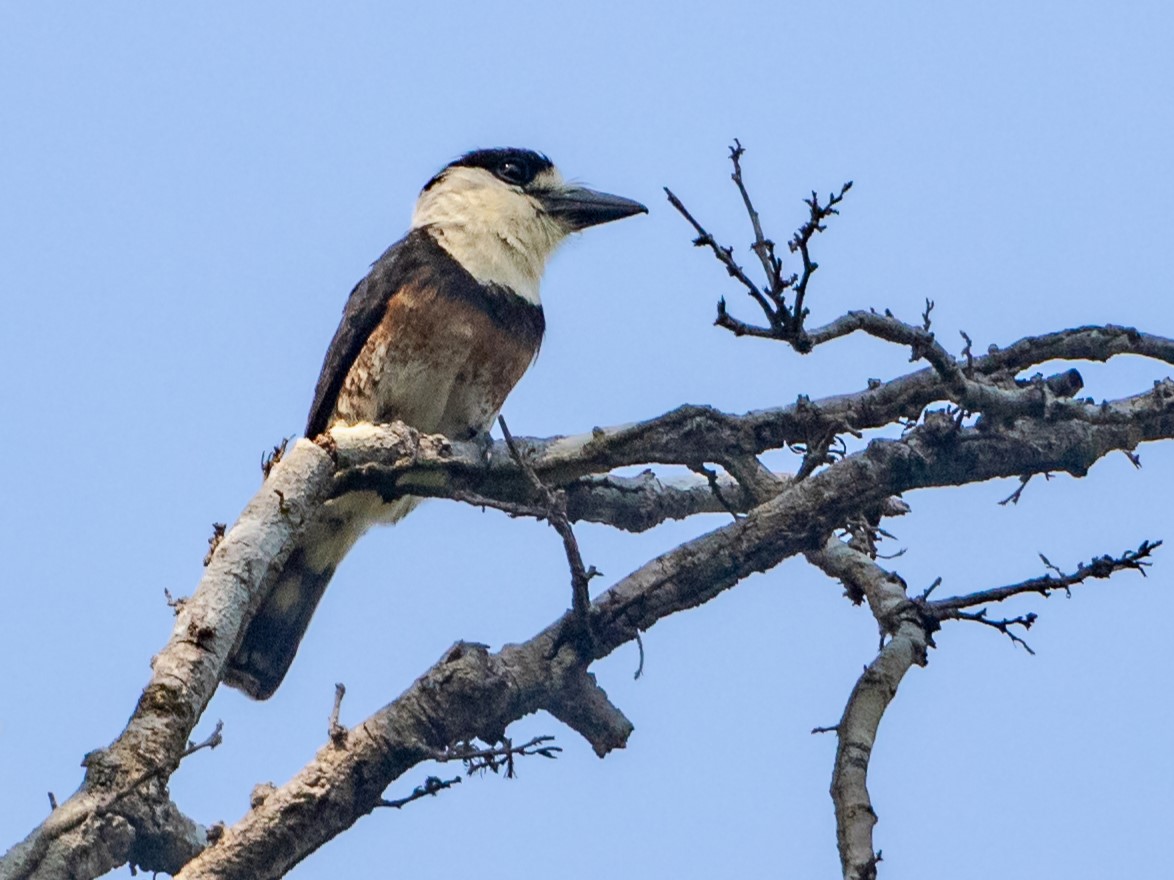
{"x":512,"y":165}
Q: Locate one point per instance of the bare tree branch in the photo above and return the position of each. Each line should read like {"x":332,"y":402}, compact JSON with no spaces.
{"x":184,"y":677}
{"x":1024,"y":426}
{"x":1100,"y":567}
{"x":685,"y":577}
{"x":431,"y":787}
{"x":784,"y":322}
{"x":554,"y":506}
{"x":910,"y":635}
{"x":909,"y":625}
{"x":397,"y":460}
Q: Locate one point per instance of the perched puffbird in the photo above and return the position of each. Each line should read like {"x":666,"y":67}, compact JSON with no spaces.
{"x":436,"y":335}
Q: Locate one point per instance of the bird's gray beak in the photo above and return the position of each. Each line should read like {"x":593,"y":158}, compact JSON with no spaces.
{"x":579,"y":207}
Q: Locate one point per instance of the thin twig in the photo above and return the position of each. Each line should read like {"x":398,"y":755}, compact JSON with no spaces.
{"x":270,"y":459}
{"x":817,"y":452}
{"x":218,"y":530}
{"x":511,"y":508}
{"x":926,"y":322}
{"x":494,"y":758}
{"x":213,"y":740}
{"x":1099,"y":568}
{"x":1014,"y":497}
{"x":724,"y":255}
{"x":801,"y":242}
{"x":556,"y":515}
{"x":968,"y":353}
{"x":431,"y":787}
{"x":335,"y":730}
{"x":711,"y":477}
{"x":1003,"y":626}
{"x":783,"y":322}
{"x":763,"y":247}
{"x":937,"y":582}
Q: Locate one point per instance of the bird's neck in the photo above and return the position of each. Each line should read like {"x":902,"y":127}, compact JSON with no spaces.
{"x":498,"y":237}
{"x":492,"y":259}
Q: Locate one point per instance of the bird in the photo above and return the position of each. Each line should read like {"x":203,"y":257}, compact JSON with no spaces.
{"x":436,"y":335}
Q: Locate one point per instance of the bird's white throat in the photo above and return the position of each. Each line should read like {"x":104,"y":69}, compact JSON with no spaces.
{"x":498,"y":234}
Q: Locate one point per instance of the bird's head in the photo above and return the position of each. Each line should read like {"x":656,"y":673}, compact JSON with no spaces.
{"x":502,"y":212}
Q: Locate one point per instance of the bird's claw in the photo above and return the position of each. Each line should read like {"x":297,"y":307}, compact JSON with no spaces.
{"x":484,"y":443}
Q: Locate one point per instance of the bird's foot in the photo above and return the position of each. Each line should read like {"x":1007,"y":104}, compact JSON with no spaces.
{"x":484,"y":442}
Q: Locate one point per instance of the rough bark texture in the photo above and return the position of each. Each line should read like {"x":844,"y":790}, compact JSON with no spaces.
{"x":121,"y":811}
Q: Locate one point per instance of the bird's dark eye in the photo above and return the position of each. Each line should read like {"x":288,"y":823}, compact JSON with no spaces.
{"x":512,"y":171}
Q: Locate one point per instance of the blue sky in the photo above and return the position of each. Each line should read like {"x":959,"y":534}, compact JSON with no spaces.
{"x":190,"y":192}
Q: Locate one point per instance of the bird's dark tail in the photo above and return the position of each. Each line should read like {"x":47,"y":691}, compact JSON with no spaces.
{"x":271,"y":640}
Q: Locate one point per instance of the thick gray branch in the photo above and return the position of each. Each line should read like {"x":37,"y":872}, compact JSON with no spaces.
{"x":909,"y":626}
{"x":636,"y":504}
{"x":691,"y":435}
{"x":88,"y":834}
{"x":472,"y":692}
{"x":396,"y":460}
{"x":909,"y":638}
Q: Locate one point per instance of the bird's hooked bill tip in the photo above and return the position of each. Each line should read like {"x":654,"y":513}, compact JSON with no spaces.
{"x":580,"y":207}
